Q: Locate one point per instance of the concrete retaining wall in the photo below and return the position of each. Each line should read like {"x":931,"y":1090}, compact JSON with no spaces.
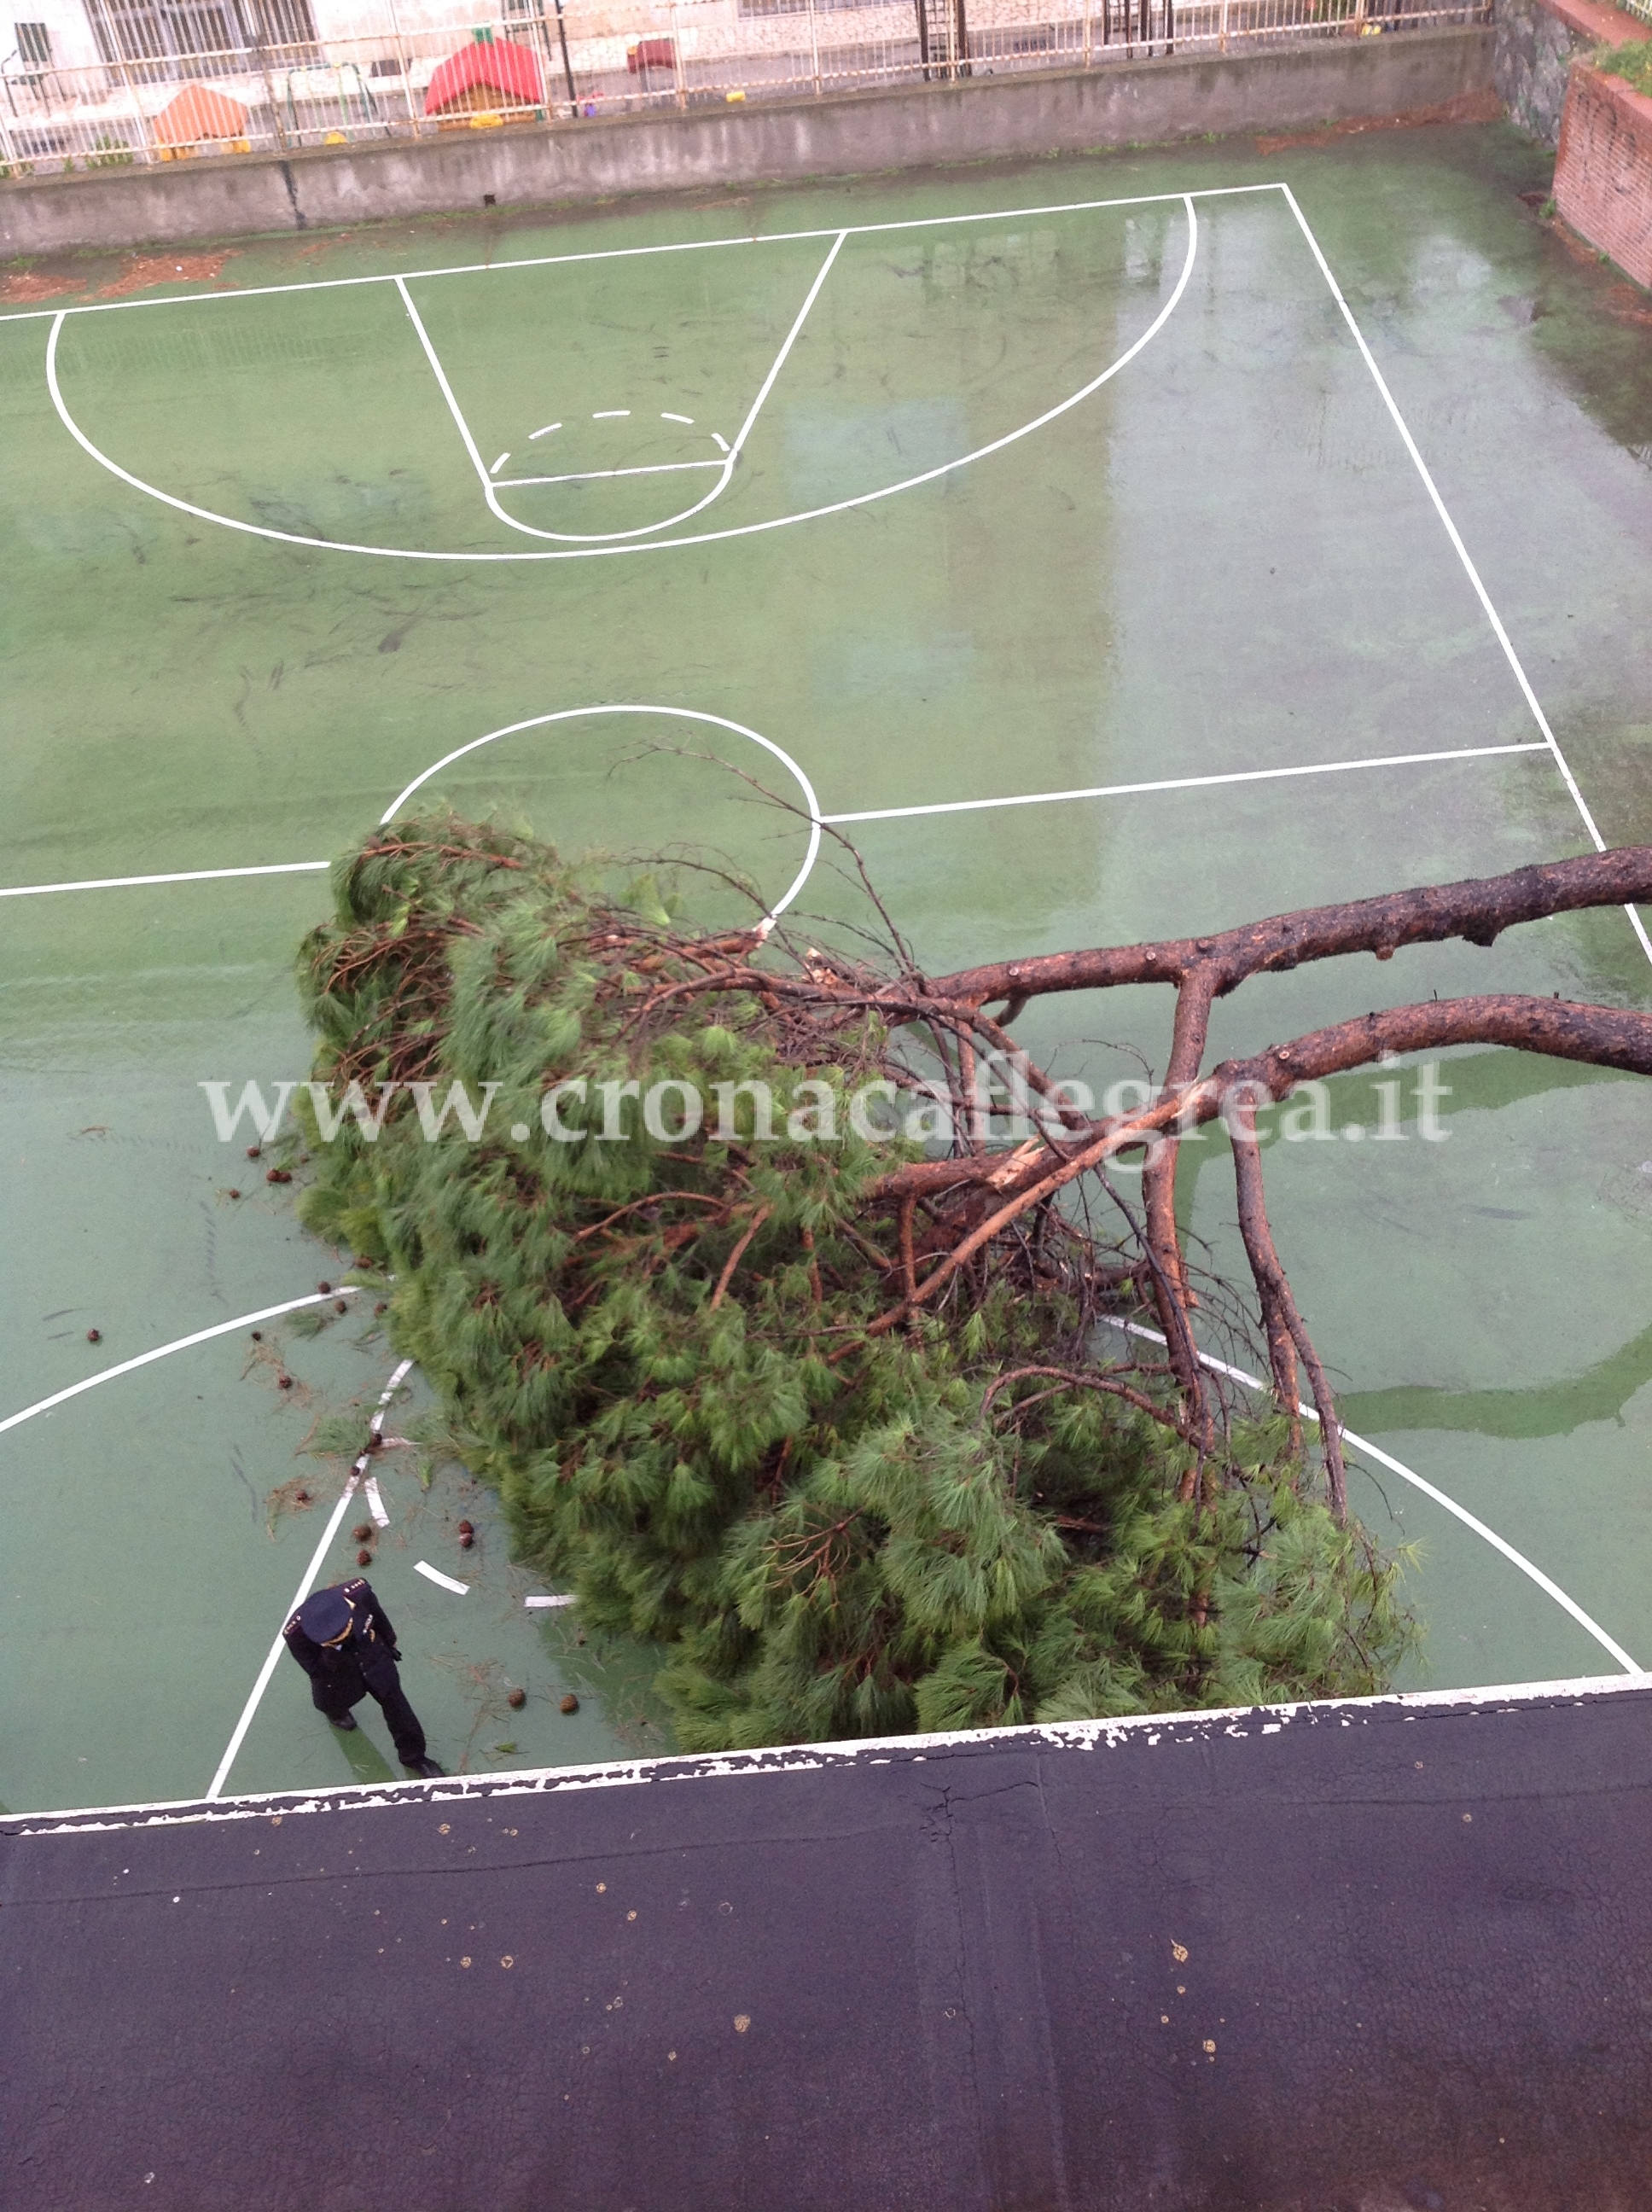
{"x":982,"y":119}
{"x":1603,"y":178}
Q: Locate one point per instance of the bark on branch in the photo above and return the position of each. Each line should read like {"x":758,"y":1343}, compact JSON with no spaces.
{"x":1477,"y":909}
{"x":1603,"y":1037}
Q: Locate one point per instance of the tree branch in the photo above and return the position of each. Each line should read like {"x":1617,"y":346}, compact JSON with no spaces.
{"x":1286,"y":1334}
{"x":1070,"y":1378}
{"x":1478,"y":909}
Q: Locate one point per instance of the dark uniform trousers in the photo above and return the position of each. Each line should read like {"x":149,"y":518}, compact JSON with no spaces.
{"x":364,"y":1665}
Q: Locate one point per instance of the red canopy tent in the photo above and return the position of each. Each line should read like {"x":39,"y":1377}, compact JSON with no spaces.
{"x":502,"y":74}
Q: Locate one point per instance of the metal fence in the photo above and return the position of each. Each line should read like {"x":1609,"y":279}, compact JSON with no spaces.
{"x":177,"y":81}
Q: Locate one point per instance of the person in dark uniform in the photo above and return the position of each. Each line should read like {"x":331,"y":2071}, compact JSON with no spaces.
{"x":343,"y":1640}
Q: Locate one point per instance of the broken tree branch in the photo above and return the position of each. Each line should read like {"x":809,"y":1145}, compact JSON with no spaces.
{"x":1477,"y":910}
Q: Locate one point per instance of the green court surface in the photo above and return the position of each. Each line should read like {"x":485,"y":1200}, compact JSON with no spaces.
{"x":1051,"y":532}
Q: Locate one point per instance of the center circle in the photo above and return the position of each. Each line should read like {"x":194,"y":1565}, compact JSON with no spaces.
{"x":810,"y":805}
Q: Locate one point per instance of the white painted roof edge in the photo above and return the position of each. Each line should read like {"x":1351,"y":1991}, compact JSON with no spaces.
{"x":1238,"y":1721}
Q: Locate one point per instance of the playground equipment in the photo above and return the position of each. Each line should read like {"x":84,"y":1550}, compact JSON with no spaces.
{"x":491,"y":81}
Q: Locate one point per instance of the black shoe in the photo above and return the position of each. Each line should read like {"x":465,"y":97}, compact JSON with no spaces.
{"x":345,"y":1720}
{"x":425,"y":1769}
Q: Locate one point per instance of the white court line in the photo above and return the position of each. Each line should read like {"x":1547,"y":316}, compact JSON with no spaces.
{"x":441,"y":375}
{"x":634,"y":542}
{"x":675,"y":713}
{"x":1176,"y":783}
{"x":1549,"y":743}
{"x":592,"y":538}
{"x":314,"y":1568}
{"x":1462,"y":551}
{"x":545,"y":432}
{"x":635,"y":252}
{"x":179,"y":1344}
{"x":689,"y":419}
{"x":543,"y":1604}
{"x":730,"y":453}
{"x":273,"y":1655}
{"x":435,"y":1575}
{"x":183,"y":876}
{"x":1549,"y":740}
{"x":499,"y":463}
{"x":1545,"y":1582}
{"x":591,"y":476}
{"x":865,"y":814}
{"x":612,"y":414}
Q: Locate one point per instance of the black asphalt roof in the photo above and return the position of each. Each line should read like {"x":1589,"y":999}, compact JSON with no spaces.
{"x":1338,"y":1958}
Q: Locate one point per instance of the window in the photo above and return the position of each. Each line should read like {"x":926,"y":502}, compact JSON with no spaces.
{"x":175,"y":38}
{"x":33,"y":45}
{"x":800,"y":7}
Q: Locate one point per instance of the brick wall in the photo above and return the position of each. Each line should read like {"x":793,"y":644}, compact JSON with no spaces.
{"x":1603,"y":178}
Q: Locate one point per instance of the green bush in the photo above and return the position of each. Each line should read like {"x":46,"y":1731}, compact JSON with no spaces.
{"x":1632,"y":63}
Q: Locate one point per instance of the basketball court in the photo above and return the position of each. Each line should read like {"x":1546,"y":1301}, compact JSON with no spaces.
{"x":1110,"y":550}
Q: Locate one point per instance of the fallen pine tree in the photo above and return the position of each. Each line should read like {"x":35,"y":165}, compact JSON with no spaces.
{"x":782,"y":1330}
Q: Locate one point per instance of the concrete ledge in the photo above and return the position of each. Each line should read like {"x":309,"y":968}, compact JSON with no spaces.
{"x":984,"y":118}
{"x":1600,"y":25}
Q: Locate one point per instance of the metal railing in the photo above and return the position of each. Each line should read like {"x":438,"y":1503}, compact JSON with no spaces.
{"x":229,"y":79}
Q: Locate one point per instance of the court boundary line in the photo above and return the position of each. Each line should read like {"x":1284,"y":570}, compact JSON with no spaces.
{"x":638,"y":252}
{"x":1462,"y":551}
{"x":1471,"y":1521}
{"x":597,"y":552}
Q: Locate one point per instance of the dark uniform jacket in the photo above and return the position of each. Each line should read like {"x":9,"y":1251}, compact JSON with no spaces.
{"x":345,"y":1673}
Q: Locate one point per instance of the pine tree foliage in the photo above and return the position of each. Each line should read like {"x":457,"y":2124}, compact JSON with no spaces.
{"x":661,"y":1349}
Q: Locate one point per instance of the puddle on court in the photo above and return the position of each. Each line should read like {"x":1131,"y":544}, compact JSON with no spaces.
{"x":1221,"y":562}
